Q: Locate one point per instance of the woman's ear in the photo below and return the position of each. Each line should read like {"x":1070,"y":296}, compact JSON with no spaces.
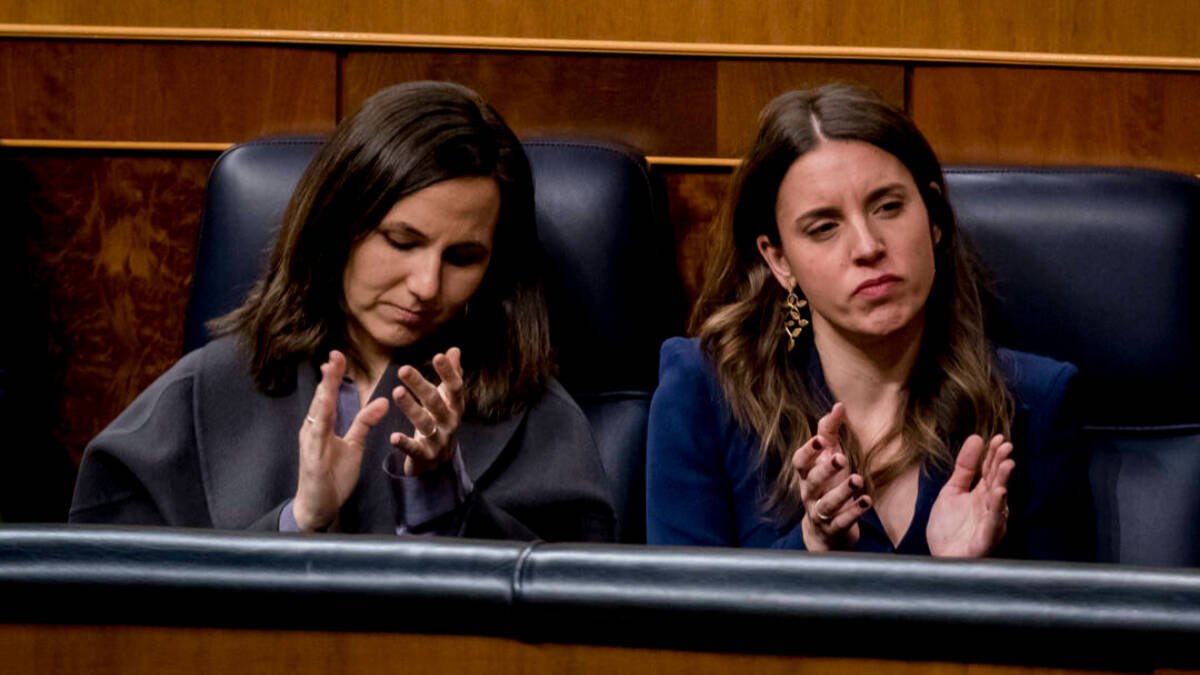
{"x":773,"y":255}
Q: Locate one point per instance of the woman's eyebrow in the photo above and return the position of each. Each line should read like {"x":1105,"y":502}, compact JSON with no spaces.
{"x":819,"y":212}
{"x":401,"y":227}
{"x":886,"y":189}
{"x":470,"y":243}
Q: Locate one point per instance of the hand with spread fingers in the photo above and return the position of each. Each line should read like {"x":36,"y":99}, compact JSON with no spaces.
{"x":435,"y":413}
{"x":970,"y":517}
{"x":831,"y":493}
{"x":329,"y":465}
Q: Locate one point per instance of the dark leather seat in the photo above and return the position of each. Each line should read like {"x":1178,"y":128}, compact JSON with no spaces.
{"x":1099,"y":267}
{"x":613,"y":290}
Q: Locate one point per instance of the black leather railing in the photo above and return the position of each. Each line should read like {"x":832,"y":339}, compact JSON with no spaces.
{"x":701,"y":599}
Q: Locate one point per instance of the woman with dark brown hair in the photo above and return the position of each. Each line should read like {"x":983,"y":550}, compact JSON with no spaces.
{"x":842,"y":393}
{"x":390,"y":372}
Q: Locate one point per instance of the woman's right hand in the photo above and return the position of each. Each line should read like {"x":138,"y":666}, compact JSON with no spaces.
{"x":329,"y":466}
{"x":831,"y":494}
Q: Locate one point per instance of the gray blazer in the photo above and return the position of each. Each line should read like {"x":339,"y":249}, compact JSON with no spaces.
{"x":202,"y":447}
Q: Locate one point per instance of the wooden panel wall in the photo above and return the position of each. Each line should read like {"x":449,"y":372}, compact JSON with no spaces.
{"x":112,"y":254}
{"x":1128,"y":27}
{"x":665,"y":106}
{"x":114,"y":233}
{"x":162,"y":92}
{"x":694,"y":200}
{"x":133,"y":650}
{"x":1054,"y":116}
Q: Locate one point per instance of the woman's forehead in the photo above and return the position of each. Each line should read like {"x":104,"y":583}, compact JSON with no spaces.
{"x":836,"y":170}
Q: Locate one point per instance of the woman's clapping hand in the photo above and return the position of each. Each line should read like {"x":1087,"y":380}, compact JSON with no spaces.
{"x":831,"y":493}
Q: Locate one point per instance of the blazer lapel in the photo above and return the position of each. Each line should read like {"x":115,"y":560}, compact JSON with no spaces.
{"x":483,"y":442}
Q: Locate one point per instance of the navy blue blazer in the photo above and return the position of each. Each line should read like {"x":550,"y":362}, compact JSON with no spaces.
{"x":706,"y":486}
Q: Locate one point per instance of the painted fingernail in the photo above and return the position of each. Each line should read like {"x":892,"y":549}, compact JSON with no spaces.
{"x":863,"y":502}
{"x":856,"y":482}
{"x":839,"y":461}
{"x":816,"y":443}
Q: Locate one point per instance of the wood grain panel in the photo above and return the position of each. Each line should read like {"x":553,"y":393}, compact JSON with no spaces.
{"x":112,"y":253}
{"x":744,"y":87}
{"x":1049,"y":116}
{"x":694,"y":200}
{"x":664,"y":106}
{"x":162,"y":92}
{"x":132,"y":650}
{"x":1164,"y":27}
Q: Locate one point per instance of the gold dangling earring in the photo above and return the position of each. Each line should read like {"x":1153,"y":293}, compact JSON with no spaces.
{"x":793,"y":323}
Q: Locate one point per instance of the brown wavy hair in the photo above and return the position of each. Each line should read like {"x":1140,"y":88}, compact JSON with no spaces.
{"x":955,"y":388}
{"x":405,"y":138}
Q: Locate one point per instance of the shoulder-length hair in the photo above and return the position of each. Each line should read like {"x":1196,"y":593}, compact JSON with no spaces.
{"x":955,"y":388}
{"x":405,"y":138}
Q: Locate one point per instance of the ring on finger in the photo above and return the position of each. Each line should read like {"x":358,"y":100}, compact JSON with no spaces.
{"x":310,"y":419}
{"x":421,"y":434}
{"x":821,"y":517}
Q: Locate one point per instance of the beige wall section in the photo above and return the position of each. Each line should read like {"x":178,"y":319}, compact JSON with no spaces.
{"x":1163,"y":28}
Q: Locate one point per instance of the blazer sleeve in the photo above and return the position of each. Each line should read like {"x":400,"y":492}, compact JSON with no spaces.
{"x":688,"y":497}
{"x":704,"y":482}
{"x":1050,"y":487}
{"x":142,"y":469}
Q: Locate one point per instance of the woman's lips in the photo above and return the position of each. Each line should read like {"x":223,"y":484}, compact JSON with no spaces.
{"x":877,"y":287}
{"x":406,"y":315}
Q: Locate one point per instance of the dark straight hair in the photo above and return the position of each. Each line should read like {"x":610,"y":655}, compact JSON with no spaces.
{"x":404,"y":138}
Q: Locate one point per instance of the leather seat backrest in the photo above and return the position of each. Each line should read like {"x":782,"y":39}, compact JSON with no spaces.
{"x":1098,"y":266}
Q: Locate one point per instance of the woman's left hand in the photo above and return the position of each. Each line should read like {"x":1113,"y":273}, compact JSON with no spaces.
{"x":966,"y":521}
{"x":435,"y":413}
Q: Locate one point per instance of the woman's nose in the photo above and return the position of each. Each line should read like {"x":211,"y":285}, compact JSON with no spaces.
{"x":868,"y":245}
{"x":425,"y":279}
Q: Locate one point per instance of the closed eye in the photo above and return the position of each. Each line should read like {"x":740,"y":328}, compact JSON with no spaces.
{"x":890,"y":208}
{"x":400,"y":243}
{"x":821,"y":229}
{"x":466,"y":255}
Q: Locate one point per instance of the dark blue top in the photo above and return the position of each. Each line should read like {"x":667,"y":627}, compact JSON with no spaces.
{"x":705,"y":485}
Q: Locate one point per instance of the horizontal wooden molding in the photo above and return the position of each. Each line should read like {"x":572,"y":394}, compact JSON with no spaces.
{"x":694,"y":162}
{"x":456,"y":42}
{"x":721,"y":163}
{"x":724,"y":164}
{"x":144,"y":146}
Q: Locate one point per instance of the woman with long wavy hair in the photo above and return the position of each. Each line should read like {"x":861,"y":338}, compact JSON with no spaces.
{"x":841,"y":393}
{"x":390,"y":372}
